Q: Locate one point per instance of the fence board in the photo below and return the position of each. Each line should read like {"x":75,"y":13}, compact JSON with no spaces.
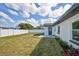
{"x":9,"y":32}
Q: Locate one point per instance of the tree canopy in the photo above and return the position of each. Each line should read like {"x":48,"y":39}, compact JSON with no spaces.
{"x":25,"y":26}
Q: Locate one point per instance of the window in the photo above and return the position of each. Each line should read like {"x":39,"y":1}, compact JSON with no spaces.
{"x":75,"y":30}
{"x":58,"y":29}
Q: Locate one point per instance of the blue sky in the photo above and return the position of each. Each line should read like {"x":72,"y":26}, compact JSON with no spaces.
{"x":34,"y":13}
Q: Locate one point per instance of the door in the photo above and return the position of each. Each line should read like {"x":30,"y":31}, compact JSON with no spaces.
{"x":50,"y":30}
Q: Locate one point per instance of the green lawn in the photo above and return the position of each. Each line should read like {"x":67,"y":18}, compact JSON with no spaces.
{"x":28,"y":44}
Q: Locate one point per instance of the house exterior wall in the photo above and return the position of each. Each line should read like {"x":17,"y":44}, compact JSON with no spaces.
{"x":56,"y":30}
{"x":46,"y":31}
{"x":66,"y":29}
{"x":53,"y":30}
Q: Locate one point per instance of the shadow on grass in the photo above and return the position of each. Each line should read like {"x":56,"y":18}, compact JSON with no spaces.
{"x":47,"y":47}
{"x":38,"y":34}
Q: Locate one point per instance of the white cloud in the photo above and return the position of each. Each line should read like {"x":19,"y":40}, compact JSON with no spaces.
{"x":14,"y":6}
{"x":49,"y":20}
{"x":5,"y":16}
{"x":13,"y":12}
{"x":2,"y":21}
{"x":57,"y":12}
{"x":21,"y":21}
{"x":43,"y":11}
{"x":29,"y":8}
{"x":33,"y":22}
{"x":45,"y":8}
{"x":25,"y":14}
{"x":19,"y":6}
{"x":33,"y":8}
{"x":66,"y":7}
{"x":25,"y":8}
{"x":60,"y":11}
{"x":48,"y":5}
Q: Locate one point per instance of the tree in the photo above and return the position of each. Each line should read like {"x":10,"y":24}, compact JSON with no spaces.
{"x":25,"y":26}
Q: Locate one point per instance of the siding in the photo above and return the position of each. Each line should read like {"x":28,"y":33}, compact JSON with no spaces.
{"x":66,"y":28}
{"x":46,"y":31}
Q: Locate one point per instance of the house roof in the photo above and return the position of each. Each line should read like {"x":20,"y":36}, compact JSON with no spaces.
{"x":69,"y":13}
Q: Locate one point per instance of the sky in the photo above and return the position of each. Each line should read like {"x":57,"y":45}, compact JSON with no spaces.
{"x":12,"y":14}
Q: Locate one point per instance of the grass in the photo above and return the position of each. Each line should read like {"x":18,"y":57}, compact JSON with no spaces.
{"x":48,"y":47}
{"x":28,"y":44}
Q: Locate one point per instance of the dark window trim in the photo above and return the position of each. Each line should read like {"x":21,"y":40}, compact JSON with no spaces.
{"x":58,"y":29}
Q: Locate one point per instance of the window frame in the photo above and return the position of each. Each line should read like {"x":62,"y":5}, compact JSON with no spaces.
{"x":58,"y":29}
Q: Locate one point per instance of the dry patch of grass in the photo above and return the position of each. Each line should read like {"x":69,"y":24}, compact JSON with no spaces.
{"x":28,"y":44}
{"x":18,"y":45}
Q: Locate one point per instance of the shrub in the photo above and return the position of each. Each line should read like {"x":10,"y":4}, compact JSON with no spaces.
{"x":64,"y":44}
{"x":38,"y":34}
{"x":68,"y":50}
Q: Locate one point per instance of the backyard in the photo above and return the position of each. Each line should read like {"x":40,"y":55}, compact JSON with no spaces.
{"x":29,"y":44}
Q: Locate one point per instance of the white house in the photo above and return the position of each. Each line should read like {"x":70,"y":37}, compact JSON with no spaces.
{"x":67,"y":27}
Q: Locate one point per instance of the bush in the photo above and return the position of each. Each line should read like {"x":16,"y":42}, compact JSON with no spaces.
{"x":64,"y":44}
{"x":38,"y":34}
{"x":68,"y":50}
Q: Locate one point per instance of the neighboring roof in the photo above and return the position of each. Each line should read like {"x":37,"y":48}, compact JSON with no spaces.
{"x":47,"y":25}
{"x":69,"y":13}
